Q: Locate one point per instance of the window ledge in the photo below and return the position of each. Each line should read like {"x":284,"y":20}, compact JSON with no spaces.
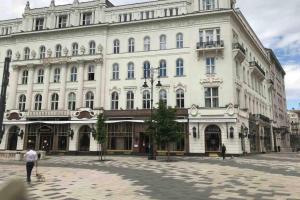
{"x":128,"y":79}
{"x":115,"y":79}
{"x":179,"y":76}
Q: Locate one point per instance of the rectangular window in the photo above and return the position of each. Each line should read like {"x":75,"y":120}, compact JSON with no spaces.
{"x":39,"y":24}
{"x":87,"y":18}
{"x":210,"y":65}
{"x":62,"y":21}
{"x":209,"y":4}
{"x":238,"y":98}
{"x":211,"y":97}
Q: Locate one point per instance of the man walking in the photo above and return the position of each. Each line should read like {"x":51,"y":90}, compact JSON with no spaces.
{"x":30,"y":157}
{"x":223,"y":151}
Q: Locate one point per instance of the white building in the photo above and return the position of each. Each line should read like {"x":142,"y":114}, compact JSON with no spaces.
{"x":71,"y":62}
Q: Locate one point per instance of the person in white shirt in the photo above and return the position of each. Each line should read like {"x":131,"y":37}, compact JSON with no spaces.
{"x":30,"y":157}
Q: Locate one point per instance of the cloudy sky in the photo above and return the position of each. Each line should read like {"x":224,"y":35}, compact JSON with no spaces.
{"x":276,"y":22}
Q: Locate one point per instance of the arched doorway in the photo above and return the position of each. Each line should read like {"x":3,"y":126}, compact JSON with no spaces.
{"x":213,"y":139}
{"x":46,"y":138}
{"x":12,"y":138}
{"x":84,"y":138}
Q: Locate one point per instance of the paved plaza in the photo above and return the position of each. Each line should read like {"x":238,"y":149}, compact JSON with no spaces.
{"x":268,"y":176}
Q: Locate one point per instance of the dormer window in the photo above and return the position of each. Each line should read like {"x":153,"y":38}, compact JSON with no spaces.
{"x":87,"y":18}
{"x":209,"y":4}
{"x":62,"y":21}
{"x":39,"y":24}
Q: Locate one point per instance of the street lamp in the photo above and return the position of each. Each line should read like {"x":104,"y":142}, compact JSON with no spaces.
{"x":151,"y":153}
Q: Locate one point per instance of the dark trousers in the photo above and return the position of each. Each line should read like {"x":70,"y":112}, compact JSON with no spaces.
{"x":223,"y":155}
{"x":29,"y":167}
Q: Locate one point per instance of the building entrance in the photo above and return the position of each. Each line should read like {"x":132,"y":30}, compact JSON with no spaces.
{"x":143,"y":143}
{"x":12,"y":138}
{"x":84,"y":138}
{"x":213,"y":139}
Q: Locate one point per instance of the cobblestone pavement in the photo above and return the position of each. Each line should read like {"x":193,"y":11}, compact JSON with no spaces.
{"x":268,"y":176}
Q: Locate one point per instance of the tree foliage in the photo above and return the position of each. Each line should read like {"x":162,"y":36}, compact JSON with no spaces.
{"x":101,"y":135}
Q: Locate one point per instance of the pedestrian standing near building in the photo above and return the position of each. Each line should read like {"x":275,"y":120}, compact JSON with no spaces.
{"x":223,"y":151}
{"x":30,"y":158}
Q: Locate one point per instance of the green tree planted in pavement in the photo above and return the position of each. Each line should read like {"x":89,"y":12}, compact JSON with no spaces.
{"x":167,"y":129}
{"x":101,"y":135}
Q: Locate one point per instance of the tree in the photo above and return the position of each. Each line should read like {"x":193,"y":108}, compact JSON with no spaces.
{"x":101,"y":135}
{"x":167,"y":129}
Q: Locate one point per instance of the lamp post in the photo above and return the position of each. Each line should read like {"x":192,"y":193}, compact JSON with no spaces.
{"x":151,"y":153}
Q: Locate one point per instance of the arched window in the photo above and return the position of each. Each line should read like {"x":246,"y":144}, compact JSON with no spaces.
{"x":179,"y":41}
{"x":180,"y":98}
{"x":115,"y":72}
{"x":131,"y":45}
{"x":130,"y":100}
{"x":22,"y":103}
{"x":25,"y":77}
{"x":89,"y":100}
{"x":130,"y":71}
{"x":40,"y":77}
{"x":179,"y":67}
{"x":162,"y":68}
{"x":38,"y":102}
{"x":163,"y":42}
{"x":9,"y":53}
{"x":72,"y":101}
{"x":74,"y":49}
{"x":54,"y":101}
{"x":26,"y":53}
{"x":58,"y":51}
{"x":73,"y":77}
{"x":163,"y":96}
{"x":146,"y":69}
{"x":42,"y":52}
{"x":116,"y":46}
{"x":114,"y":101}
{"x":92,"y":48}
{"x":147,"y":43}
{"x":56,"y":77}
{"x":146,"y":100}
{"x":91,"y":73}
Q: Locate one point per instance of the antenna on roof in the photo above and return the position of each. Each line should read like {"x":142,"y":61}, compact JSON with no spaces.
{"x":27,"y":6}
{"x":52,"y":4}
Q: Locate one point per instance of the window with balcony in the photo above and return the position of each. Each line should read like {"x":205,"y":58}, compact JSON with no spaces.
{"x":211,"y":97}
{"x":210,"y":65}
{"x":208,"y":4}
{"x":38,"y":102}
{"x":91,"y":73}
{"x":39,"y":24}
{"x":163,"y":42}
{"x":72,"y":101}
{"x":9,"y":53}
{"x":26,"y":53}
{"x":40,"y":77}
{"x":179,"y":67}
{"x":89,"y":100}
{"x":179,"y":41}
{"x":115,"y":72}
{"x":114,"y":101}
{"x":146,"y":69}
{"x":162,"y":68}
{"x":130,"y":71}
{"x":116,"y":46}
{"x":54,"y":101}
{"x":147,"y":43}
{"x":25,"y":77}
{"x":74,"y":49}
{"x":62,"y":21}
{"x":73,"y":77}
{"x":58,"y":51}
{"x":92,"y":48}
{"x":146,"y":99}
{"x":56,"y":77}
{"x":180,"y":98}
{"x":210,"y":38}
{"x":163,"y":96}
{"x":42,"y":52}
{"x":130,"y":100}
{"x":22,"y":103}
{"x":131,"y":45}
{"x":87,"y":18}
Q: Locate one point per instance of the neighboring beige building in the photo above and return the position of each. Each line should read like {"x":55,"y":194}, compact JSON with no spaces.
{"x":71,"y":62}
{"x":294,"y":126}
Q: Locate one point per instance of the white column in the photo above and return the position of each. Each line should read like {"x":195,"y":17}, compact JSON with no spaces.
{"x":99,"y":92}
{"x":103,"y":86}
{"x":80,"y":84}
{"x":13,"y":84}
{"x":62,"y":92}
{"x":30,"y":83}
{"x":46,"y":87}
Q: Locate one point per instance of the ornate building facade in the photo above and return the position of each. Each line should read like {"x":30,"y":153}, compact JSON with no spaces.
{"x":72,"y":62}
